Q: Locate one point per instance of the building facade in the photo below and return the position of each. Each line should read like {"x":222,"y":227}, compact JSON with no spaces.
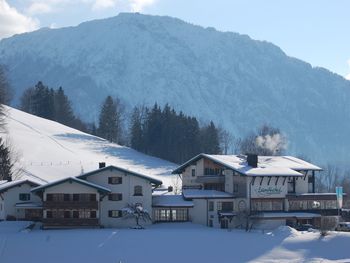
{"x":95,"y":199}
{"x":262,"y":191}
{"x":17,"y":202}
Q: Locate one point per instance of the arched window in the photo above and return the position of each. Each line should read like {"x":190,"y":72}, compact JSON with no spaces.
{"x":138,"y":190}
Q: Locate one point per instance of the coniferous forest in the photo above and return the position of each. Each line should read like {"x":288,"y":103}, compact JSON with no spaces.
{"x":160,"y":132}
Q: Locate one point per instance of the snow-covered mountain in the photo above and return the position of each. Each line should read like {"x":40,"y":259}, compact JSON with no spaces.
{"x":238,"y":82}
{"x":47,"y":151}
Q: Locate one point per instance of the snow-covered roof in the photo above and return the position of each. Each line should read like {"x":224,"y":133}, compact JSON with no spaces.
{"x":197,"y":194}
{"x":267,"y":165}
{"x":286,"y":215}
{"x":170,"y":201}
{"x":7,"y":185}
{"x":112,"y":167}
{"x":77,"y":180}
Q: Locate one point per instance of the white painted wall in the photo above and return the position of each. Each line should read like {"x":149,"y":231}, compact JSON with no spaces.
{"x":199,"y":211}
{"x":127,"y":190}
{"x":11,"y":197}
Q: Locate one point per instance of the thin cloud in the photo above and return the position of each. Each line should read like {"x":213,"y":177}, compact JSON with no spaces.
{"x":37,"y":8}
{"x":13,"y":22}
{"x":139,"y":5}
{"x":103,"y":4}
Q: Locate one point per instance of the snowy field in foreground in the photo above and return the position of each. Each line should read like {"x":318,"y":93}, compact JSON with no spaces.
{"x":168,"y":243}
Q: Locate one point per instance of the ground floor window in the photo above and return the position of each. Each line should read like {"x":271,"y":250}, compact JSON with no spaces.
{"x":267,"y":205}
{"x":115,"y":213}
{"x":170,"y":214}
{"x":81,"y":213}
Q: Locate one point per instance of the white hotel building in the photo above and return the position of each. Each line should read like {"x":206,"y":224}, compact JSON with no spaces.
{"x":231,"y":191}
{"x":223,"y":191}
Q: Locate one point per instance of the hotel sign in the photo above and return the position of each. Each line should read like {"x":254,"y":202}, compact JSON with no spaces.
{"x":268,"y":191}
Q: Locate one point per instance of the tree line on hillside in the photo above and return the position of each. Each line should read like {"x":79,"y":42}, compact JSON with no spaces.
{"x":173,"y":136}
{"x":51,"y":104}
{"x":6,"y":162}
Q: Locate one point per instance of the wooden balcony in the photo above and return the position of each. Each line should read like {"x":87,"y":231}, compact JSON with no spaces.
{"x":70,"y":222}
{"x":211,"y":179}
{"x":70,"y":205}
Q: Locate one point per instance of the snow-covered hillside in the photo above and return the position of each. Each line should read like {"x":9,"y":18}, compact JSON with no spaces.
{"x":226,"y":77}
{"x":48,"y":151}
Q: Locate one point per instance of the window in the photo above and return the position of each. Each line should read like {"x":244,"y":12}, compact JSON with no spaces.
{"x":211,"y":206}
{"x":115,"y":213}
{"x":66,"y":214}
{"x":24,"y":197}
{"x":93,"y":214}
{"x":138,"y":190}
{"x":225,"y":206}
{"x":291,"y":186}
{"x":193,"y":172}
{"x":115,"y":197}
{"x":66,"y":197}
{"x":92,"y":197}
{"x":75,"y":197}
{"x":235,"y":188}
{"x":75,"y":214}
{"x":48,"y":214}
{"x":115,"y":180}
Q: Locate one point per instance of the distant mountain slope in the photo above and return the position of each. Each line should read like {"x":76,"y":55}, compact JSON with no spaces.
{"x":226,"y":77}
{"x":50,"y":151}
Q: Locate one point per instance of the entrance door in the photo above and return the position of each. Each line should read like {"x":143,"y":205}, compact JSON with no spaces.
{"x":224,"y":223}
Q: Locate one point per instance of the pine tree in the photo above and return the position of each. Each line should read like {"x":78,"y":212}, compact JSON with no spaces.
{"x":210,"y":139}
{"x":108,"y":127}
{"x":62,"y":108}
{"x":4,"y":95}
{"x":6,"y":164}
{"x":136,"y":130}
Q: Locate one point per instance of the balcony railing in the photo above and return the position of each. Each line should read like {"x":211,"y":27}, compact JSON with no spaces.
{"x":70,"y":205}
{"x":211,"y":179}
{"x":67,"y":222}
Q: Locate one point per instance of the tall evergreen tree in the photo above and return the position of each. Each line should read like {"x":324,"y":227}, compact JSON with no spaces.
{"x":62,"y":108}
{"x":108,"y":126}
{"x":210,"y":139}
{"x":6,"y":164}
{"x":136,"y":130}
{"x":4,"y":95}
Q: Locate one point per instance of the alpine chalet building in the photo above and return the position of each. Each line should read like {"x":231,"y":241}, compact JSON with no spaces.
{"x":230,"y":191}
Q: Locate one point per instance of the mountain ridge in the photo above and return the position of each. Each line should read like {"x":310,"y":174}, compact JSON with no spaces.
{"x":237,"y":82}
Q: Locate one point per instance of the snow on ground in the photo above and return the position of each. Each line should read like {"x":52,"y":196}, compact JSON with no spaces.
{"x":173,"y":242}
{"x":50,"y":151}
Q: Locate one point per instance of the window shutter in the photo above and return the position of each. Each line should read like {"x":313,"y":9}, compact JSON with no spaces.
{"x":110,"y":213}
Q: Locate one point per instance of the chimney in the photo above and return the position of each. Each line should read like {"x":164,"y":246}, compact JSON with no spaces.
{"x":252,"y":160}
{"x":101,"y":165}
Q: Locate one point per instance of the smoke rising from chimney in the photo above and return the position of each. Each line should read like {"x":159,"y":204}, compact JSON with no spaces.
{"x":274,"y":143}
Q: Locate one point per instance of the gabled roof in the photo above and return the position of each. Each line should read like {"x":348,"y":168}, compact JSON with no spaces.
{"x":8,"y":185}
{"x":267,"y":165}
{"x":72,"y":179}
{"x":112,"y":167}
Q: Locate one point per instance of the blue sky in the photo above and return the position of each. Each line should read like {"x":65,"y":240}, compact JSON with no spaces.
{"x":316,"y":31}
